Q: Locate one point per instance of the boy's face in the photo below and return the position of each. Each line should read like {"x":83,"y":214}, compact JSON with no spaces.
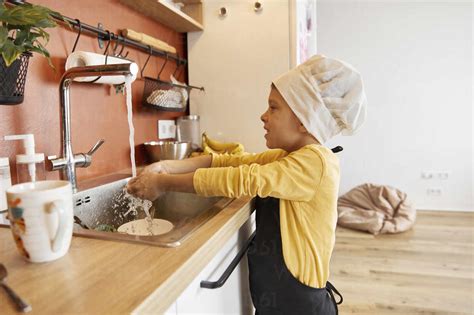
{"x":283,"y":128}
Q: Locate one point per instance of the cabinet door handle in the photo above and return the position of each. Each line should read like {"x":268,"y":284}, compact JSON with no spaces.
{"x":219,"y":283}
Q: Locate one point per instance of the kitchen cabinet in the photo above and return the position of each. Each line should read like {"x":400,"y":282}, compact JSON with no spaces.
{"x":188,"y":19}
{"x":234,"y":296}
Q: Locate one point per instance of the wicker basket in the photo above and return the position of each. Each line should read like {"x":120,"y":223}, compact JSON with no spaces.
{"x":13,"y":80}
{"x":164,"y":96}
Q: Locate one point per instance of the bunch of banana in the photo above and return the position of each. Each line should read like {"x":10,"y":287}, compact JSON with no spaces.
{"x":210,"y":146}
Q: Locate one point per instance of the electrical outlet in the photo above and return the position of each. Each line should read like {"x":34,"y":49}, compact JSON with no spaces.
{"x":427,"y":175}
{"x":166,"y":129}
{"x":435,"y":175}
{"x":444,"y":175}
{"x":434,"y":191}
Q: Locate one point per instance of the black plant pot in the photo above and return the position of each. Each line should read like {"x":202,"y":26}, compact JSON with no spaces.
{"x":13,"y":80}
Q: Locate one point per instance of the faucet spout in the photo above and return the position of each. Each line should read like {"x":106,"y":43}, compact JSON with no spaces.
{"x":67,"y":163}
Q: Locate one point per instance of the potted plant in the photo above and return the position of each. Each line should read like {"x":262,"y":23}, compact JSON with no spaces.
{"x":22,"y":32}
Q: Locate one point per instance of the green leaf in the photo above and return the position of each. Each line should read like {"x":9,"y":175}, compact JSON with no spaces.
{"x":3,"y":7}
{"x":21,"y":37}
{"x":27,"y":36}
{"x":30,"y":15}
{"x":26,"y":14}
{"x":41,"y":33}
{"x":41,"y":50}
{"x":25,"y":24}
{"x":3,"y":36}
{"x":10,"y":52}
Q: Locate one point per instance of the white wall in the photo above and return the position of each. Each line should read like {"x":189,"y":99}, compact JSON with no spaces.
{"x":416,"y":61}
{"x":235,"y":58}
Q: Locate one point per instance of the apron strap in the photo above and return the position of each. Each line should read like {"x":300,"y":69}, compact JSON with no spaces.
{"x":331,"y":289}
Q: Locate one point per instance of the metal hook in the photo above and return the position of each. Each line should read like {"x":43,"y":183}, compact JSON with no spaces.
{"x":162,"y":67}
{"x":118,"y":42}
{"x":184,"y":67}
{"x":146,"y":62}
{"x":123,"y":47}
{"x":119,"y":54}
{"x":109,"y":39}
{"x":114,"y":49}
{"x":178,"y":63}
{"x":78,"y":35}
{"x":184,"y":62}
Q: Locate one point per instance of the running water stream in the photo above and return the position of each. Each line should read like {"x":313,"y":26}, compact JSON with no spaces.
{"x":135,"y":202}
{"x":131,"y":139}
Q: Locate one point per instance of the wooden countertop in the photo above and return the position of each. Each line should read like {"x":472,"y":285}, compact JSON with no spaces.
{"x":109,"y":277}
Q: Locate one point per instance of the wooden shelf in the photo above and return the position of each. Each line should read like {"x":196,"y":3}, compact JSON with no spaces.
{"x":187,"y":20}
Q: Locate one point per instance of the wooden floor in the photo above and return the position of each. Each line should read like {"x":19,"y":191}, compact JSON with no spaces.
{"x":427,"y":270}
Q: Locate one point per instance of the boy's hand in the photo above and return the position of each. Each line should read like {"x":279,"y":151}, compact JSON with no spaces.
{"x":148,"y":185}
{"x":157,"y":167}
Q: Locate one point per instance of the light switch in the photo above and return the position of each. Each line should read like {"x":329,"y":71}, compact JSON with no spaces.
{"x":166,"y":129}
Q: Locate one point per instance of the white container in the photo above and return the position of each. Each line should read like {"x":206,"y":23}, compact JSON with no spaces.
{"x":5,"y":183}
{"x":24,"y":173}
{"x":188,"y":130}
{"x":30,"y":165}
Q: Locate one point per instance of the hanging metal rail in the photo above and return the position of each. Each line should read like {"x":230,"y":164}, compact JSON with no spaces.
{"x":107,"y":35}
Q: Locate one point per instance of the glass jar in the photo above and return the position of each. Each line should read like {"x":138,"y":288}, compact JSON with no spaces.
{"x":188,"y":130}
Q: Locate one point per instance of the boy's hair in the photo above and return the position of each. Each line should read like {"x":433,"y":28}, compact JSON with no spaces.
{"x":327,"y":95}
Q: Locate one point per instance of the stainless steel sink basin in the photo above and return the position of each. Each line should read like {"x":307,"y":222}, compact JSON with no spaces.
{"x":104,"y":207}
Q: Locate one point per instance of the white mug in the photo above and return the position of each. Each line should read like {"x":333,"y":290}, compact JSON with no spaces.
{"x":41,"y":217}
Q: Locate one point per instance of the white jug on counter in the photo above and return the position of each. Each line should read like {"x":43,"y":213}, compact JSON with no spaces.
{"x":5,"y":183}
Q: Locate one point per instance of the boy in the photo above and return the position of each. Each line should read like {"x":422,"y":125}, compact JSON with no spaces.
{"x":296,"y":185}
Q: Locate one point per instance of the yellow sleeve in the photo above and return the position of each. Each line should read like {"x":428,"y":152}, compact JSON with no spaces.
{"x":294,"y":177}
{"x":222,"y":160}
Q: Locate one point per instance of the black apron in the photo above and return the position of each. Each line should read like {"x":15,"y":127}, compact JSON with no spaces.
{"x":273,"y":288}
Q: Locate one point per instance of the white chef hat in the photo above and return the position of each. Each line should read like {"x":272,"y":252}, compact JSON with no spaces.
{"x":327,"y":96}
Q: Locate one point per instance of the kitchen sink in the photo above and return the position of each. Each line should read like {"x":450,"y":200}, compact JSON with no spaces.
{"x":100,"y":210}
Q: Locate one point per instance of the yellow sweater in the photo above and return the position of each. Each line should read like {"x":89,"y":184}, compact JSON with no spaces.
{"x":306,"y":181}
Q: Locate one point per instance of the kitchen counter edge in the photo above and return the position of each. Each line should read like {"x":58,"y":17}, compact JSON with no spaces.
{"x":156,"y":276}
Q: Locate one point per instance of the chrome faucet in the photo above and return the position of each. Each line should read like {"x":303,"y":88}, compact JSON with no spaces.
{"x":68,"y":162}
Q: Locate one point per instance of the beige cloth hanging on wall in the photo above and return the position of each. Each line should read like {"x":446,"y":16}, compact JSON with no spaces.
{"x":376,"y":209}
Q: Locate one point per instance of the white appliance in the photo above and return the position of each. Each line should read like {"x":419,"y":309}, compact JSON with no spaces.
{"x":236,"y":57}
